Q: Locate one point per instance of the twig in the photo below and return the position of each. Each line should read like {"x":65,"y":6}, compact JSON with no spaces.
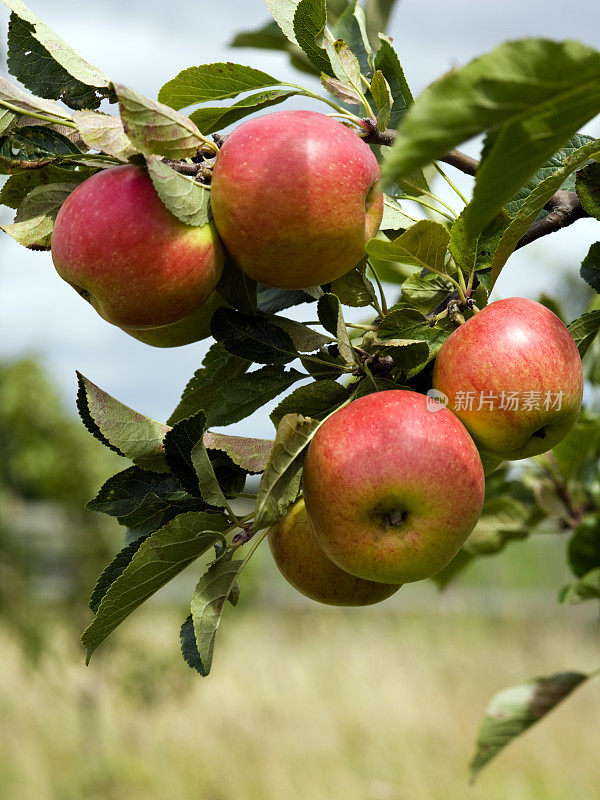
{"x":564,"y":208}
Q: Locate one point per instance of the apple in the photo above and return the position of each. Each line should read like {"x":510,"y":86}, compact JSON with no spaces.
{"x":138,"y":265}
{"x":193,"y":328}
{"x":392,"y":488}
{"x":513,"y":376}
{"x":295,"y":196}
{"x":302,"y":562}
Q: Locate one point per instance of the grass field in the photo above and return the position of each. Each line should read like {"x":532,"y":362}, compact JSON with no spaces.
{"x":303,"y":704}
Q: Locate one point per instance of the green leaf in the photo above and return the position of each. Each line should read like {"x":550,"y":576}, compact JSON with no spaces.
{"x":236,"y":288}
{"x":252,"y":338}
{"x":189,"y":649}
{"x":425,"y":292}
{"x":251,"y":455}
{"x":411,"y":326}
{"x":154,"y":128}
{"x":514,"y":710}
{"x":283,"y":12}
{"x":584,"y":330}
{"x":342,"y":90}
{"x":185,"y":197}
{"x":316,"y":400}
{"x":304,"y":338}
{"x":382,"y":94}
{"x":105,"y":133}
{"x":423,"y":245}
{"x":504,"y":518}
{"x":207,"y":480}
{"x":219,"y":367}
{"x":590,"y":267}
{"x":588,"y":189}
{"x":546,"y":89}
{"x":13,"y":94}
{"x":586,"y":588}
{"x":584,"y":547}
{"x":579,"y":445}
{"x":272,"y":300}
{"x":354,"y":289}
{"x":113,"y":571}
{"x":309,"y":22}
{"x":535,"y":202}
{"x":127,"y":432}
{"x":370,"y":385}
{"x":124,"y":492}
{"x":394,"y":219}
{"x":344,"y":63}
{"x":208,"y":600}
{"x":35,"y":146}
{"x":34,"y":220}
{"x":214,"y":118}
{"x":352,"y":28}
{"x":18,"y":186}
{"x":160,"y":557}
{"x":178,"y":445}
{"x":212,"y":82}
{"x":377,"y":14}
{"x":239,"y":397}
{"x":281,"y":479}
{"x":387,"y":62}
{"x":47,"y":66}
{"x":332,"y":319}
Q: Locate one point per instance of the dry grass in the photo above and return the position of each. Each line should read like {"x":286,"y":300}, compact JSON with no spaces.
{"x":302,"y":705}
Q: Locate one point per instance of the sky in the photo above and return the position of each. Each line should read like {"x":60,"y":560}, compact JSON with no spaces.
{"x":144,"y":43}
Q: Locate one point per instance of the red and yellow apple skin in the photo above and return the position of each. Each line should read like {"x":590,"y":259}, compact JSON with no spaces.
{"x":193,"y":328}
{"x":121,"y":249}
{"x":302,"y":562}
{"x":392,"y":489}
{"x":512,"y":346}
{"x":295,"y":196}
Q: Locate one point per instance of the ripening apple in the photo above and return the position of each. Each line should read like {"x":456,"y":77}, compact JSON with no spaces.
{"x":513,"y":376}
{"x":302,"y":562}
{"x":392,"y":487}
{"x":190,"y":329}
{"x":120,"y":248}
{"x":295,"y":196}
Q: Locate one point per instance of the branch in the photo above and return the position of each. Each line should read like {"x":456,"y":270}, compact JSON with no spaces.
{"x":564,"y":208}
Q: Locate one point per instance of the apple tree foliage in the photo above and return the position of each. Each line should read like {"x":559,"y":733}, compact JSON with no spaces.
{"x":176,"y":500}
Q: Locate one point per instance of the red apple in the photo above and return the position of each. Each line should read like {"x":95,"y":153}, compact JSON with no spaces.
{"x":295,"y":196}
{"x":137,"y":264}
{"x":302,"y":562}
{"x":392,"y":488}
{"x":513,"y":376}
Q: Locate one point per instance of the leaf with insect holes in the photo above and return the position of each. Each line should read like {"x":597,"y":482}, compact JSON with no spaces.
{"x":124,"y":430}
{"x":156,"y":129}
{"x":512,"y":711}
{"x":105,"y":133}
{"x":422,"y":245}
{"x":281,"y":479}
{"x":207,"y":82}
{"x":160,"y":557}
{"x":185,"y":197}
{"x":35,"y":217}
{"x":208,"y":600}
{"x":47,"y":66}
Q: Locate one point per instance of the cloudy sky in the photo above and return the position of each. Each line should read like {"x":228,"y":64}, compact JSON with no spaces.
{"x":144,"y":43}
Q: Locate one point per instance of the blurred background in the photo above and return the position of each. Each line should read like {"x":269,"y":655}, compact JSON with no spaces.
{"x":304,"y":702}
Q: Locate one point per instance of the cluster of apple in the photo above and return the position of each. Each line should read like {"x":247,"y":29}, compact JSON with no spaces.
{"x":393,"y":483}
{"x":295,"y":196}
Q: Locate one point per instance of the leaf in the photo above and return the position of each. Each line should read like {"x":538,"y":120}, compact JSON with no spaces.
{"x":13,"y":94}
{"x":514,"y":710}
{"x":154,"y":128}
{"x":316,"y":400}
{"x":207,"y":480}
{"x":218,"y":368}
{"x":189,"y":649}
{"x":309,"y":22}
{"x":394,"y":219}
{"x":214,"y":118}
{"x":584,"y":330}
{"x":251,"y":455}
{"x":377,"y":13}
{"x":35,"y":146}
{"x":124,"y":492}
{"x":579,"y":445}
{"x":425,"y":292}
{"x":208,"y":600}
{"x":47,"y":66}
{"x":382,"y":94}
{"x":504,"y":519}
{"x":423,"y":245}
{"x":113,"y":571}
{"x":344,"y":63}
{"x":281,"y":479}
{"x":238,"y":398}
{"x":590,"y":267}
{"x":342,"y":90}
{"x":213,"y":82}
{"x":588,"y":189}
{"x":34,"y":220}
{"x":547,"y":89}
{"x":283,"y":12}
{"x":128,"y":433}
{"x":351,"y":26}
{"x":18,"y":186}
{"x":304,"y":338}
{"x":388,"y":63}
{"x":584,"y":547}
{"x":330,"y":315}
{"x":411,"y":326}
{"x":160,"y":557}
{"x":535,"y":202}
{"x":185,"y":197}
{"x":272,"y":300}
{"x":354,"y":289}
{"x":586,"y":588}
{"x":105,"y":133}
{"x":236,"y":288}
{"x":252,"y":338}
